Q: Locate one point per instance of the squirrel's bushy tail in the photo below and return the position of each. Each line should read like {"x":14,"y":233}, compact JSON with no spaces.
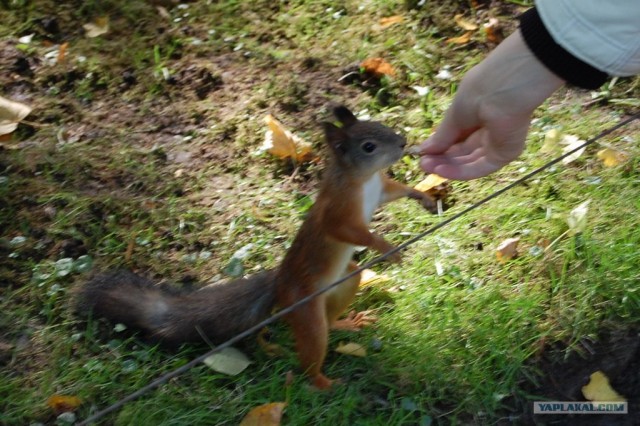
{"x":218,"y":311}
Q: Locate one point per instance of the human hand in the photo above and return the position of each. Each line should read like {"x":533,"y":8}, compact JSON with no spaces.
{"x":486,"y":126}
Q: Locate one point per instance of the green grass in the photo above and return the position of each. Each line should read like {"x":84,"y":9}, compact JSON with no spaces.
{"x":105,"y":177}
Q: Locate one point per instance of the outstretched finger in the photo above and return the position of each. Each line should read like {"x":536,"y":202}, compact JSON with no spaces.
{"x":475,"y":169}
{"x":447,"y":134}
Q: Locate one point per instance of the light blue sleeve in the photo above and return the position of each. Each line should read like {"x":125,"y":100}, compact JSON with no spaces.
{"x":604,"y":34}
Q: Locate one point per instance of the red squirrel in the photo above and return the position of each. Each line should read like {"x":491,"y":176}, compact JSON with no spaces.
{"x":353,"y":186}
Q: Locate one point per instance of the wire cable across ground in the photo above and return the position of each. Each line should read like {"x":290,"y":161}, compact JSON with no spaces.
{"x":178,"y":371}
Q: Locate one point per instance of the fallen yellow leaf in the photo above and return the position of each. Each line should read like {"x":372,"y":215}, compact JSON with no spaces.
{"x":353,"y":349}
{"x":97,"y":28}
{"x":283,"y":144}
{"x":369,"y":277}
{"x":463,"y":39}
{"x":11,"y":113}
{"x":265,"y":415}
{"x":599,"y":389}
{"x":507,"y":250}
{"x":611,"y":157}
{"x":389,"y":21}
{"x":378,"y":67}
{"x":551,"y":141}
{"x":430,"y":182}
{"x":464,"y":24}
{"x":63,"y":403}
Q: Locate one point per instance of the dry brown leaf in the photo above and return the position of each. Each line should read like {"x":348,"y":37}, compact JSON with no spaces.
{"x":283,"y":144}
{"x":493,"y":31}
{"x":378,"y":67}
{"x":289,"y":377}
{"x":464,"y":24}
{"x":265,"y":415}
{"x":63,"y":403}
{"x":463,"y":39}
{"x":97,"y":28}
{"x":62,"y":53}
{"x":599,"y":389}
{"x":508,"y":249}
{"x":430,"y":182}
{"x":129,"y":252}
{"x":11,"y":113}
{"x":163,"y":12}
{"x":353,"y":349}
{"x":611,"y":157}
{"x":389,"y":21}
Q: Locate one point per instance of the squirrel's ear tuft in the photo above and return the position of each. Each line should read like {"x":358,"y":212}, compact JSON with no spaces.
{"x":335,"y":137}
{"x":344,"y":116}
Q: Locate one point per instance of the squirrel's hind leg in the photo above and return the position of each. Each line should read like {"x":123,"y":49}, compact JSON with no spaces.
{"x":311,"y":331}
{"x":339,"y":299}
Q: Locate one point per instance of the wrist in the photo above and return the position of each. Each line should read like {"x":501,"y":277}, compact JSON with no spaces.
{"x":554,"y":57}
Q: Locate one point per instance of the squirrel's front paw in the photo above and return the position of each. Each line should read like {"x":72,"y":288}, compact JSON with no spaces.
{"x":426,"y":200}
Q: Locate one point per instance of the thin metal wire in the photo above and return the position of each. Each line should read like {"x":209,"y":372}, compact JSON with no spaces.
{"x":178,"y":371}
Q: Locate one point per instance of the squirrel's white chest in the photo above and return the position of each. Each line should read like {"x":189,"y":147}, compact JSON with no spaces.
{"x":371,"y":196}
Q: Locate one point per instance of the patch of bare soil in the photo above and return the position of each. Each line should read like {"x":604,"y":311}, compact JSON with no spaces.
{"x":617,"y":355}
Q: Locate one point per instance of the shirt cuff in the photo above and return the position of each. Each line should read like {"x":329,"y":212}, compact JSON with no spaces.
{"x":555,"y":57}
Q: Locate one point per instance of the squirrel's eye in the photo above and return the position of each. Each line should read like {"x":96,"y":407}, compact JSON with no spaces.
{"x":369,"y":147}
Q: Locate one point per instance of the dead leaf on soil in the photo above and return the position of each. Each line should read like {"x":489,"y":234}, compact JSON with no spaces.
{"x":493,"y":31}
{"x":63,"y":403}
{"x":436,"y":186}
{"x":378,"y":67}
{"x":388,"y":22}
{"x":228,"y":361}
{"x":62,"y":53}
{"x":463,"y":39}
{"x":11,"y":113}
{"x":551,"y":141}
{"x":464,"y":24}
{"x":577,"y":219}
{"x":265,"y":415}
{"x":599,"y":389}
{"x":289,"y":377}
{"x":430,"y":182}
{"x":163,"y":12}
{"x":283,"y":144}
{"x":507,"y":250}
{"x":97,"y":28}
{"x":353,"y":349}
{"x":611,"y":157}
